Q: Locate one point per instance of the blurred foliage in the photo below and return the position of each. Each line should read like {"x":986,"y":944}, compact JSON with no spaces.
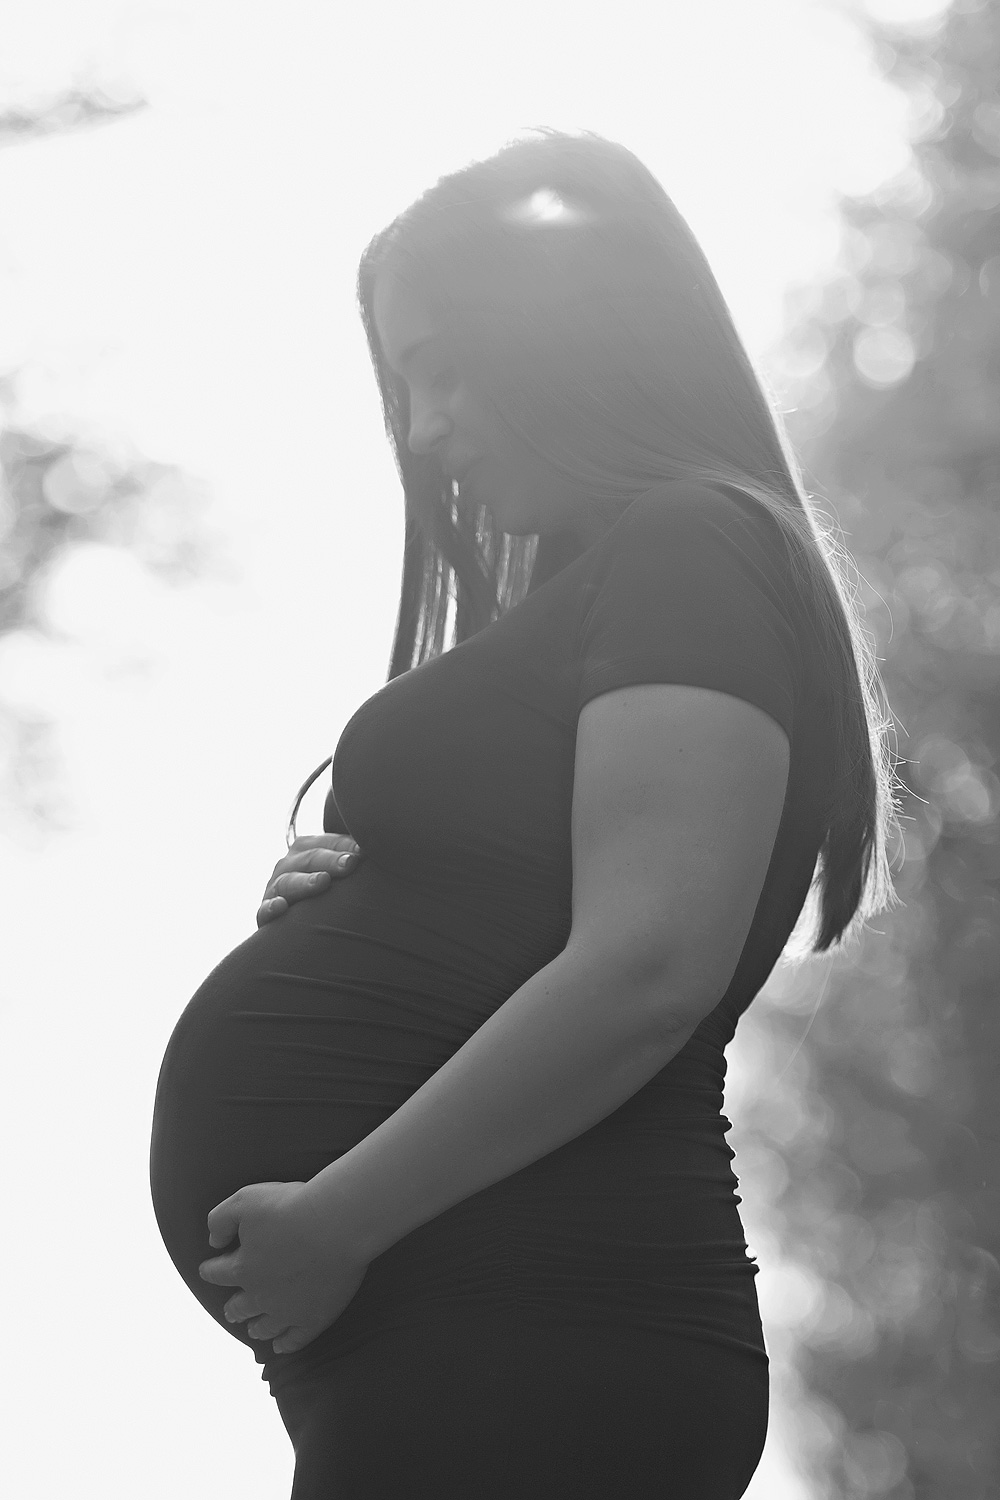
{"x":63,"y":492}
{"x":81,"y":104}
{"x":880,"y":1141}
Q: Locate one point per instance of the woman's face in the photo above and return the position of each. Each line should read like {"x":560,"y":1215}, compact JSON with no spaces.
{"x":524,"y":494}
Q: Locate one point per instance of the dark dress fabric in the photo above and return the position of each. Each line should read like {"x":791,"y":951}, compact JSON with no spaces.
{"x":589,"y":1325}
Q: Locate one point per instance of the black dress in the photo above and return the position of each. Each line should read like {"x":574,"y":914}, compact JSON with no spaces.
{"x":588,"y":1327}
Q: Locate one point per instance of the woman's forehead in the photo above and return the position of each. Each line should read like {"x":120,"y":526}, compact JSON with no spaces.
{"x":402,"y":319}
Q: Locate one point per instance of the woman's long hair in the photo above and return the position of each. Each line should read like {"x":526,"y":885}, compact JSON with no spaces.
{"x":576,"y":301}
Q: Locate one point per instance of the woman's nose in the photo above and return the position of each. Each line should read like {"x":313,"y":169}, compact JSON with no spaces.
{"x":428,"y":429}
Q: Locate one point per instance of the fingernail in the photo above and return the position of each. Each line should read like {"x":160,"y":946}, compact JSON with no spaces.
{"x":345,"y":860}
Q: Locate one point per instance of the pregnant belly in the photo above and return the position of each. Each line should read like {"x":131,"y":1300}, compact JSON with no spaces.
{"x":322,"y":1024}
{"x":310,"y":1034}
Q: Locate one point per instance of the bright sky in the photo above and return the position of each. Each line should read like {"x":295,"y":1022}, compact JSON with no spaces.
{"x":182,"y":283}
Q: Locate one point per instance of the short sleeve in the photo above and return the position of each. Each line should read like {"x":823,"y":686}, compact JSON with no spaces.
{"x":691,"y":586}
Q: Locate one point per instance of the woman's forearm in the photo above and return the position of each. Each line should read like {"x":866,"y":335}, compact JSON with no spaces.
{"x":565,"y":1050}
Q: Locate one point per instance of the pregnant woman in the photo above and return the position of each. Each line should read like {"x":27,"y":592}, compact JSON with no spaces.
{"x":444,"y":1144}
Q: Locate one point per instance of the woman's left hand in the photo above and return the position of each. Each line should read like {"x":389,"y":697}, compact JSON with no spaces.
{"x":295,"y":1274}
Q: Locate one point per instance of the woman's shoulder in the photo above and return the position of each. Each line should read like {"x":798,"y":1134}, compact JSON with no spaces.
{"x":687,"y":518}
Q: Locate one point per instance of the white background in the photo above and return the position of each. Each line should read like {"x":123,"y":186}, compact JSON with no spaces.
{"x":182,"y":282}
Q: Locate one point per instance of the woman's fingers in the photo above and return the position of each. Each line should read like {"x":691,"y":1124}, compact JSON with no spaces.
{"x":241,"y":1307}
{"x":309,"y":857}
{"x":307,"y":870}
{"x":306,"y":841}
{"x":276,"y":907}
{"x":267,"y":1328}
{"x":314,"y":874}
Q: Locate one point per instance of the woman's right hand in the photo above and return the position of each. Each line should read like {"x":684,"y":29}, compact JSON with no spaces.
{"x":307,"y":869}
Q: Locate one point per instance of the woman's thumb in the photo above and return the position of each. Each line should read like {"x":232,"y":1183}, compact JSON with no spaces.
{"x":224,"y":1222}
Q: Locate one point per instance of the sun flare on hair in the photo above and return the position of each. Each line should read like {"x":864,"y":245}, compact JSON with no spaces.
{"x":544,"y":206}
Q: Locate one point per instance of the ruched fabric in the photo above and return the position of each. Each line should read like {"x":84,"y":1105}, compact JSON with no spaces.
{"x":590,"y":1321}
